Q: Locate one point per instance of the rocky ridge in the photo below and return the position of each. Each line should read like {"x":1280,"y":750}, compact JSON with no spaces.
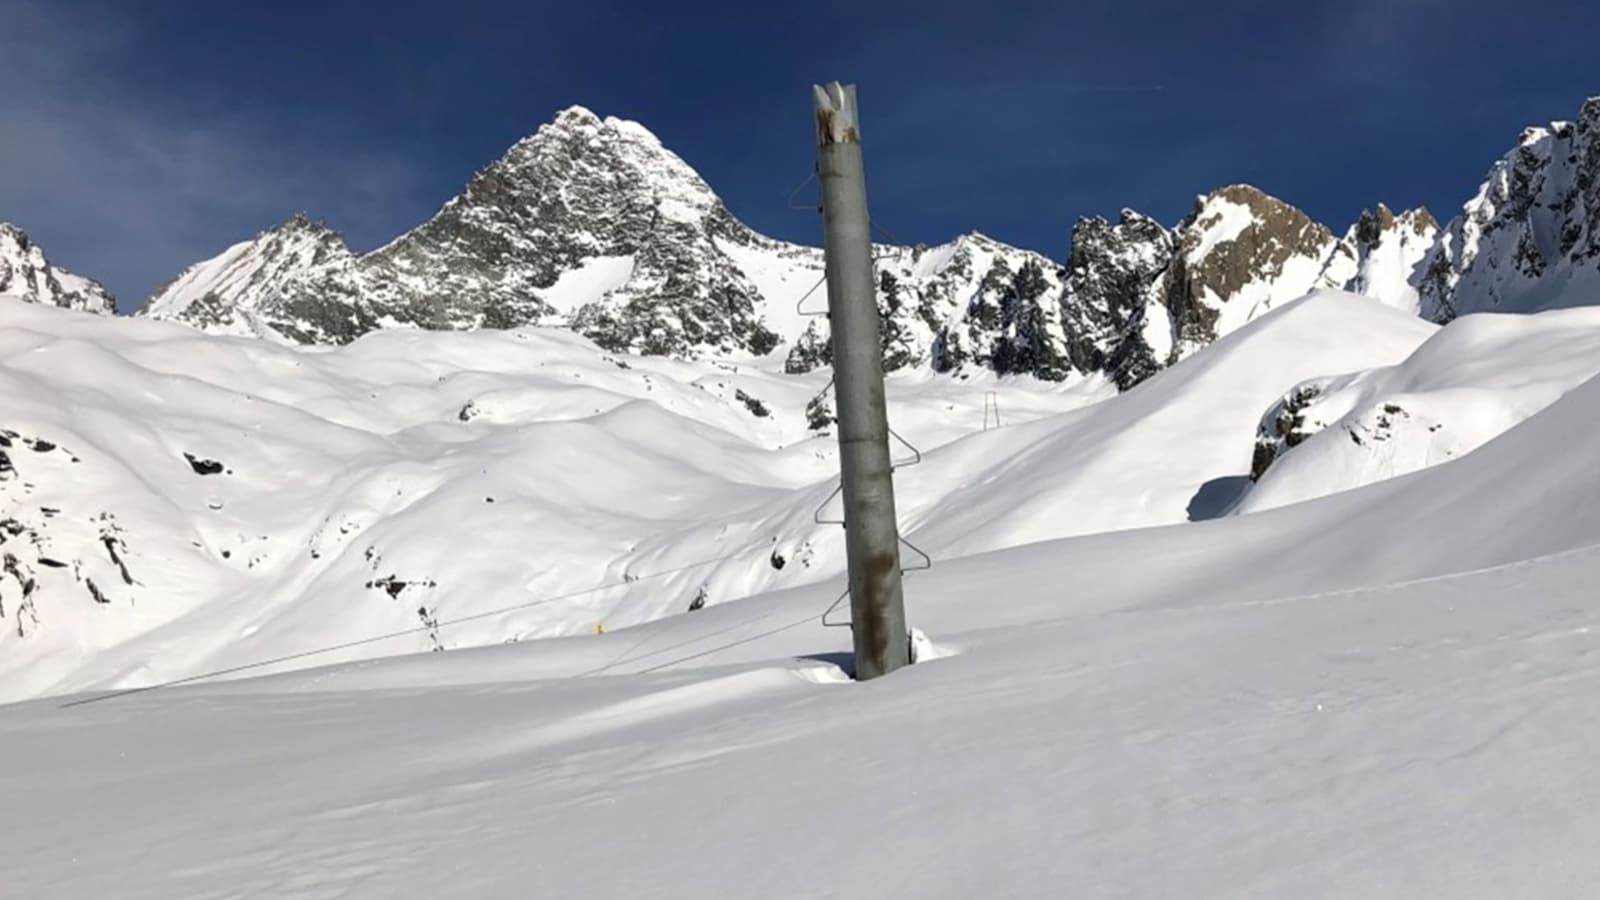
{"x":594,"y":225}
{"x":1531,"y":231}
{"x":27,"y":274}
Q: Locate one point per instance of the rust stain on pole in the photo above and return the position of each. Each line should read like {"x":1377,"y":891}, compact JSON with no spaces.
{"x":836,"y":116}
{"x":872,"y":540}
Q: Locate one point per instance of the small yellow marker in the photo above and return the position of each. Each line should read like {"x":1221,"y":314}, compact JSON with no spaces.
{"x":599,"y":628}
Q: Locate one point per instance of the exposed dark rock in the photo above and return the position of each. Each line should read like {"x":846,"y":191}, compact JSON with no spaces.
{"x":394,"y":586}
{"x":819,"y":413}
{"x":1284,"y":427}
{"x":203,"y":466}
{"x":756,"y":407}
{"x":27,"y":274}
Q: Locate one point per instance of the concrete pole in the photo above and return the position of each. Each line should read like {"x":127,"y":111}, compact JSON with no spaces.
{"x":872,"y":539}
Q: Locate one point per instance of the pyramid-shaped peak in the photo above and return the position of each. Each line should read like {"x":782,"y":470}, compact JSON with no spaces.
{"x":583,"y":120}
{"x":1243,"y":195}
{"x":301,"y":229}
{"x":576,"y":115}
{"x":1420,"y":219}
{"x":15,"y":234}
{"x":302,"y":222}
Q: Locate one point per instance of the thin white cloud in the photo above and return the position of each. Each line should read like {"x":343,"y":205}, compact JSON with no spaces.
{"x":124,"y":187}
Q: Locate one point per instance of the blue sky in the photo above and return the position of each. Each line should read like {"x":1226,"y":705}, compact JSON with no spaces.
{"x":137,"y":138}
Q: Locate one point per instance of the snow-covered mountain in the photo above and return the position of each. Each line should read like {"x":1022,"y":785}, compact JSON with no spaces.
{"x":586,"y":218}
{"x":1134,"y":296}
{"x":1530,"y":238}
{"x":591,"y":223}
{"x":26,"y":273}
{"x":1142,"y":297}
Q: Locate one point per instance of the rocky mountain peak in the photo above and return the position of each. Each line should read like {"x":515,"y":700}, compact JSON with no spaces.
{"x":1534,"y":224}
{"x":591,"y":223}
{"x":27,"y":274}
{"x":1111,"y":273}
{"x":1380,"y":225}
{"x":582,"y":194}
{"x":1248,"y":233}
{"x":1240,"y":252}
{"x":1373,"y":224}
{"x":234,"y":292}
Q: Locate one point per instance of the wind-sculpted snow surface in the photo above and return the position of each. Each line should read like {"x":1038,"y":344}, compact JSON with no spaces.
{"x":172,"y":501}
{"x":1382,"y":693}
{"x":177,"y":502}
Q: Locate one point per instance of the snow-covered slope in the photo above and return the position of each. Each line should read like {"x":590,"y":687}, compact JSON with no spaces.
{"x":1467,"y":384}
{"x":1384,"y":693}
{"x":1173,"y":450}
{"x":154,"y":469}
{"x":151,"y":470}
{"x":1530,"y":238}
{"x":25,"y":273}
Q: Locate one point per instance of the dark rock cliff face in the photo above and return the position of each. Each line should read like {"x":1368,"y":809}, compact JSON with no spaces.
{"x":25,"y":273}
{"x":1111,"y":274}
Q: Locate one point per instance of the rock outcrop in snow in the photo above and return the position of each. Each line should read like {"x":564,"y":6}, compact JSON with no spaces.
{"x":26,"y":273}
{"x":1466,"y":385}
{"x":1532,"y":232}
